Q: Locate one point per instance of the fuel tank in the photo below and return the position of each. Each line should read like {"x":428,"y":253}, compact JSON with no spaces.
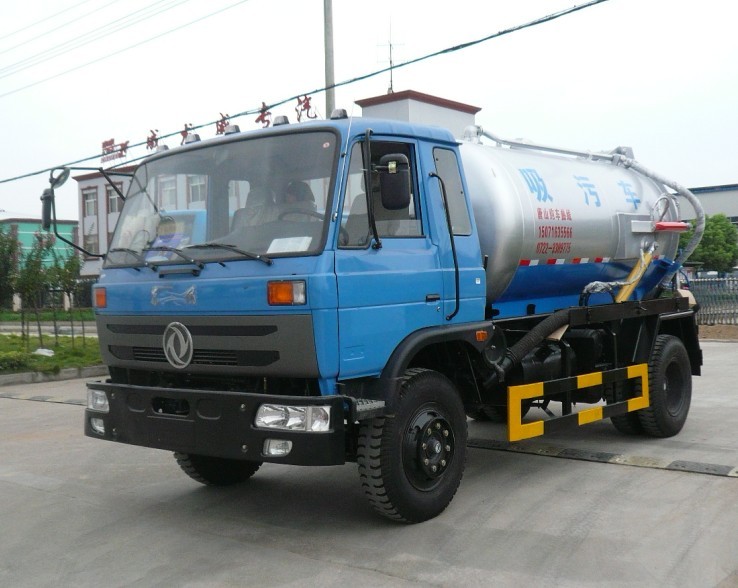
{"x":550,"y":224}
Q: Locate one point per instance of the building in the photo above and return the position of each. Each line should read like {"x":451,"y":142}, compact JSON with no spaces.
{"x":27,"y":231}
{"x":99,"y":208}
{"x":715,"y":200}
{"x":416,"y":107}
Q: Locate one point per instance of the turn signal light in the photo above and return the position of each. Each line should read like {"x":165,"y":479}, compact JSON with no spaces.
{"x":286,"y":293}
{"x":101,"y":297}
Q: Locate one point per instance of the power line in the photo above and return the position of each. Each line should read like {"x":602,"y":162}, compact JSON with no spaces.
{"x":33,"y":24}
{"x":253,"y":111}
{"x":177,"y":28}
{"x":56,"y":28}
{"x":90,"y":36}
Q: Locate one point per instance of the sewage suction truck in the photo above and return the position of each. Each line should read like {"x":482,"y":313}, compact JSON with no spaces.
{"x":355,"y":289}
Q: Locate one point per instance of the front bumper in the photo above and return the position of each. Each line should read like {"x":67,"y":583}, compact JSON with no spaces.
{"x":218,"y":424}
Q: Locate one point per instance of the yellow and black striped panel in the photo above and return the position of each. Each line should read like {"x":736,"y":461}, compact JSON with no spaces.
{"x":517,"y":430}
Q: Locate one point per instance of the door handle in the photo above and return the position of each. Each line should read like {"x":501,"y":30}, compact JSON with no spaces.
{"x":432,"y":297}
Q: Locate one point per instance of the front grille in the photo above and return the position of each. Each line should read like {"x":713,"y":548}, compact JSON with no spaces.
{"x":146,"y":354}
{"x":223,"y":357}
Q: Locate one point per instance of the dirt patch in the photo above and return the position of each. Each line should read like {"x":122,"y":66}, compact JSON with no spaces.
{"x":719,"y":332}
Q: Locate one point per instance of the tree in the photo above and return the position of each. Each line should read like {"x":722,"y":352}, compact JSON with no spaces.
{"x":32,"y":279}
{"x":66,"y":275}
{"x":718,"y":250}
{"x":8,"y":268}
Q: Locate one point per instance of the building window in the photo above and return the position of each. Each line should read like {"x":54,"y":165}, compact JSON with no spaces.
{"x":197,"y":190}
{"x":89,"y":196}
{"x":168,"y":193}
{"x":92,"y":243}
{"x":115,"y":202}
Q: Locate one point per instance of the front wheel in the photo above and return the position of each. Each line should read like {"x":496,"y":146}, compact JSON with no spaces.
{"x":216,"y":471}
{"x":411,"y":463}
{"x":670,"y":388}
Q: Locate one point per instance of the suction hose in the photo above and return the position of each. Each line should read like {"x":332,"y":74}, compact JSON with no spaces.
{"x":528,"y":343}
{"x":699,"y":227}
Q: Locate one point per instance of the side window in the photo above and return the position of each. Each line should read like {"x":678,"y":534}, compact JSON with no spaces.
{"x":448,"y":168}
{"x":390,"y":223}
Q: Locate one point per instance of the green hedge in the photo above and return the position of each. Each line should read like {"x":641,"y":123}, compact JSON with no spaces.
{"x":14,"y":360}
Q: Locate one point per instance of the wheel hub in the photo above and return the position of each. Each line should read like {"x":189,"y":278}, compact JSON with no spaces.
{"x":429,"y":447}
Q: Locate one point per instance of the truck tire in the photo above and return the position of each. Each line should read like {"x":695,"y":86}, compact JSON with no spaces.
{"x":411,"y":463}
{"x":216,"y":471}
{"x":670,"y":388}
{"x":629,"y":423}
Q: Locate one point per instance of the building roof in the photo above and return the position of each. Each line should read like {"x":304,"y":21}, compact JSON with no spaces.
{"x":17,"y":217}
{"x":419,"y":97}
{"x":721,"y":188}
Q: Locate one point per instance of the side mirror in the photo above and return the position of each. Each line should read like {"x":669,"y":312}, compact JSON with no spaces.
{"x":60,"y":178}
{"x":47,"y":200}
{"x":394,"y":181}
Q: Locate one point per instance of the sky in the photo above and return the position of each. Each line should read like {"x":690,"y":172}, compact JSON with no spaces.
{"x":660,"y":76}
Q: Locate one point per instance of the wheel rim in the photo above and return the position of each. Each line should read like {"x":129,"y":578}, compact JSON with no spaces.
{"x":674,"y":388}
{"x":428,"y":448}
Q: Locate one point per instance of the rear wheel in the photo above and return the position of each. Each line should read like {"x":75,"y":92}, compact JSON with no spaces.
{"x":670,"y":388}
{"x":411,"y":463}
{"x":216,"y":471}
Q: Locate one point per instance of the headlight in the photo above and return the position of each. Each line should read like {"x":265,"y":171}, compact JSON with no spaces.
{"x":315,"y":419}
{"x":97,"y":400}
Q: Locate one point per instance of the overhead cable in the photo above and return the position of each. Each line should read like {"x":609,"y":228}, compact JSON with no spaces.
{"x":90,"y":36}
{"x":253,"y":111}
{"x":38,"y":22}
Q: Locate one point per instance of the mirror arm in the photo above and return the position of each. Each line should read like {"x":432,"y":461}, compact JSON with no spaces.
{"x":50,"y":196}
{"x":115,"y":187}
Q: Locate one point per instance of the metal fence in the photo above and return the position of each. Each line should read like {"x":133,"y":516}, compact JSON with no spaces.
{"x":718,"y":300}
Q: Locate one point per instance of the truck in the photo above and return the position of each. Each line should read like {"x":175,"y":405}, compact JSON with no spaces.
{"x":355,"y":289}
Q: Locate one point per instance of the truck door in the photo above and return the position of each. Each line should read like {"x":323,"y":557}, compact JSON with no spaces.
{"x":384,"y":293}
{"x":468,"y":305}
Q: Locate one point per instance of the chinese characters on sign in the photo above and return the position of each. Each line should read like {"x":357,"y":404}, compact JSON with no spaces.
{"x":304,"y":105}
{"x":220,"y":125}
{"x":112,"y":150}
{"x":184,"y":132}
{"x":265,"y":117}
{"x":152,"y":141}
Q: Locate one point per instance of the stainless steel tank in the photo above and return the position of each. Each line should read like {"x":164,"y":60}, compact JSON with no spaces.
{"x":550,"y":224}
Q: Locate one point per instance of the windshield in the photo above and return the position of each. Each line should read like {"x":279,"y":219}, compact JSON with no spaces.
{"x":251,"y":199}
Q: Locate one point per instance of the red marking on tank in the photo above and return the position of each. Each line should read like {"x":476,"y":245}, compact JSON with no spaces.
{"x":672,"y":227}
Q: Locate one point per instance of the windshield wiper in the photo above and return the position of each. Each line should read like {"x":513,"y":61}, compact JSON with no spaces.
{"x":262,"y":258}
{"x":134,"y":254}
{"x":176,"y":251}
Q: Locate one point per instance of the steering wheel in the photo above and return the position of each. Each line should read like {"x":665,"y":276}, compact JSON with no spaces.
{"x":343,"y":236}
{"x":301,"y":211}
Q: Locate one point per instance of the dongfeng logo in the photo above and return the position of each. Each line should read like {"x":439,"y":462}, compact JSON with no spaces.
{"x":177,"y":343}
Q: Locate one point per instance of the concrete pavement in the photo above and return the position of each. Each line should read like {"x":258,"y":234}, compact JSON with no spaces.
{"x":79,"y":512}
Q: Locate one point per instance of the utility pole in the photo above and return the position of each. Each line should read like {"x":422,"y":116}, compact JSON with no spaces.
{"x":330,"y":95}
